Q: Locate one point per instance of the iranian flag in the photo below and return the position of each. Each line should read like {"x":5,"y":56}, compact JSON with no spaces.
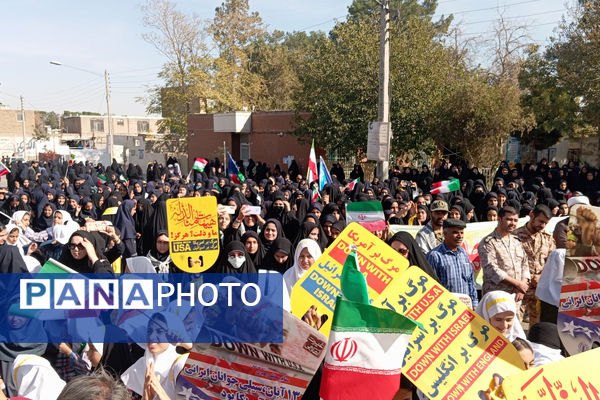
{"x":445,"y":186}
{"x":365,"y":352}
{"x":352,"y":184}
{"x":316,"y":196}
{"x":54,"y":267}
{"x":199,"y":164}
{"x":3,"y":169}
{"x":102,"y":179}
{"x":312,"y":175}
{"x":369,"y":214}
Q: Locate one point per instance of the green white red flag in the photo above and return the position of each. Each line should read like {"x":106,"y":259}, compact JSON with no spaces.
{"x":352,"y":184}
{"x":369,"y":214}
{"x":445,"y":186}
{"x":365,"y":352}
{"x":102,"y":179}
{"x":3,"y":169}
{"x":200,"y":164}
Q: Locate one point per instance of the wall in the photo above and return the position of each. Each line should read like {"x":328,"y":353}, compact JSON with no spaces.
{"x":587,"y":151}
{"x":270,"y":139}
{"x":203,"y":141}
{"x":81,"y":124}
{"x":11,"y":130}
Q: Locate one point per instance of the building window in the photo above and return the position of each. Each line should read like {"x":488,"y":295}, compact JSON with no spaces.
{"x":143,"y":126}
{"x":19,"y":117}
{"x":120,"y":122}
{"x":97,"y":125}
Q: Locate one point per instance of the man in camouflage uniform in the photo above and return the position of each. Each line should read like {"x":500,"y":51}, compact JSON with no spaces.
{"x":503,"y":260}
{"x":538,"y":245}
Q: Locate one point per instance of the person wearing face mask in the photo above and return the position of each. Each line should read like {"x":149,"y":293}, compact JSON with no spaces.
{"x":234,"y":260}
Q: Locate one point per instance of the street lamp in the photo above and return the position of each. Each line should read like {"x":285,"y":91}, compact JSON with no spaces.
{"x":109,"y":139}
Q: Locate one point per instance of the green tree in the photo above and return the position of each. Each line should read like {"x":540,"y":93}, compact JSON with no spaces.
{"x":53,"y":119}
{"x":277,"y":59}
{"x":477,"y":117}
{"x":234,"y":29}
{"x":576,"y":55}
{"x":544,"y":95}
{"x":339,"y":87}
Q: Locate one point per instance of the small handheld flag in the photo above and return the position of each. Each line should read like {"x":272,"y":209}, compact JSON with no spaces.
{"x":200,"y":164}
{"x":311,"y":175}
{"x":102,"y":179}
{"x":4,"y":170}
{"x":352,"y":184}
{"x":234,"y":173}
{"x":445,"y":186}
{"x":324,"y":176}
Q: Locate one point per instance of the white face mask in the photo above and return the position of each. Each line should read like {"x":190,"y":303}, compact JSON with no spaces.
{"x":236,"y":262}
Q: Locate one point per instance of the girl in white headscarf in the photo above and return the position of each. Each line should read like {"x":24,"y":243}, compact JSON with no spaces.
{"x":22,"y":219}
{"x":307,"y":252}
{"x":500,"y":310}
{"x":34,"y":378}
{"x":160,"y":358}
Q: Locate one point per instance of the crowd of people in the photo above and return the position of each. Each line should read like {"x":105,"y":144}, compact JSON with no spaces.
{"x":93,"y":218}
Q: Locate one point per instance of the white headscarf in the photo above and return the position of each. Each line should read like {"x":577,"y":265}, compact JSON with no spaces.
{"x":550,"y":283}
{"x":18,"y":215}
{"x":62,"y":233}
{"x":167,"y":365}
{"x":35,"y":378}
{"x":293,"y":275}
{"x":496,"y":302}
{"x":140,"y":265}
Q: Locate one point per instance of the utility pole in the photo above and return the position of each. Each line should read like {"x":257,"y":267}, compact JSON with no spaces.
{"x":383,"y":109}
{"x":23,"y":124}
{"x":109,"y":139}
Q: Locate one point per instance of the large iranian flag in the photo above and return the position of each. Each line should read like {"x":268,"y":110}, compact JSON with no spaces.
{"x":365,"y":352}
{"x":367,"y":213}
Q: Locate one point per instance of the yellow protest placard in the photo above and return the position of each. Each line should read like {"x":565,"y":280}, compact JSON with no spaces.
{"x":456,"y":352}
{"x":575,"y":377}
{"x":193,"y":232}
{"x":320,"y":284}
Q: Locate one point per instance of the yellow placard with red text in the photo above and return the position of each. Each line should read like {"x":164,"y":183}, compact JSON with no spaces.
{"x":193,"y":232}
{"x":575,"y":377}
{"x":456,"y":352}
{"x":320,"y":284}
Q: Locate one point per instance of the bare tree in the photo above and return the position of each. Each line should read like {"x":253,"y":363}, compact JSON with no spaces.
{"x":181,"y":38}
{"x":509,"y":48}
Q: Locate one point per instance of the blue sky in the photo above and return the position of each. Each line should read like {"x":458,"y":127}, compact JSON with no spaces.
{"x":98,"y":35}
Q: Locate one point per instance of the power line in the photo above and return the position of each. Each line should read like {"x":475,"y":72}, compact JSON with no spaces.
{"x":135,"y":70}
{"x":514,"y":17}
{"x":531,"y":26}
{"x":495,"y":8}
